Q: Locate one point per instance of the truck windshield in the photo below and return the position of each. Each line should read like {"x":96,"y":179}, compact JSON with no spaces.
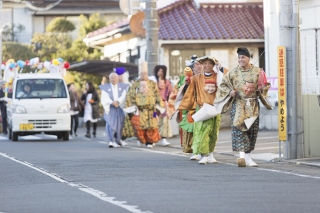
{"x":40,"y":88}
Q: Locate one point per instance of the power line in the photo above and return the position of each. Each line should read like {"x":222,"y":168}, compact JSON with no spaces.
{"x":35,"y":8}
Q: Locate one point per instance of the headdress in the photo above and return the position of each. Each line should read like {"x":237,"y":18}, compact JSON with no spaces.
{"x":190,"y":63}
{"x":119,"y":70}
{"x":204,"y":58}
{"x":243,"y":51}
{"x":143,"y":67}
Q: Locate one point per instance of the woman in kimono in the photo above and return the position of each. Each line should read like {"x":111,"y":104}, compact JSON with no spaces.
{"x":165,"y":89}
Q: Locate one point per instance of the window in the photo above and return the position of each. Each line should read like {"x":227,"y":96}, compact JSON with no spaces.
{"x":40,"y":88}
{"x":174,"y":66}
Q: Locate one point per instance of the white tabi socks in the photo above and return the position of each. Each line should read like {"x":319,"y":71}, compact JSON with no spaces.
{"x":249,"y":161}
{"x":211,"y":159}
{"x":241,"y":160}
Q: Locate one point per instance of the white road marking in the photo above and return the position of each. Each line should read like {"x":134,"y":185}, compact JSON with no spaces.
{"x":289,"y":173}
{"x":96,"y":193}
{"x":270,"y":147}
{"x":231,"y":164}
{"x":257,"y":145}
{"x":259,"y":138}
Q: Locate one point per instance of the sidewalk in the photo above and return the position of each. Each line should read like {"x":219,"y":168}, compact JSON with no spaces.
{"x":267,"y":146}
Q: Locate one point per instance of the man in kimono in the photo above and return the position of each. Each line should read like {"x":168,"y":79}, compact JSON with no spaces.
{"x":113,"y":96}
{"x":127,"y":131}
{"x":144,"y":95}
{"x":201,"y":90}
{"x":241,"y":88}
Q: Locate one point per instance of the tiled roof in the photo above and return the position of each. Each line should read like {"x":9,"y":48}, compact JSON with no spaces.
{"x":109,"y":28}
{"x":182,"y":20}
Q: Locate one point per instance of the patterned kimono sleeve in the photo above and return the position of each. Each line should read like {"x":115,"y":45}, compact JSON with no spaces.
{"x":224,"y":90}
{"x":189,"y":101}
{"x":157,"y":94}
{"x":131,"y":96}
{"x":170,"y":89}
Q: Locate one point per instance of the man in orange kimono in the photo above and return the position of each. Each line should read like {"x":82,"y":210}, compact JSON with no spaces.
{"x":201,"y":90}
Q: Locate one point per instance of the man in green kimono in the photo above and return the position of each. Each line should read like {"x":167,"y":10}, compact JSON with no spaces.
{"x":243,"y":88}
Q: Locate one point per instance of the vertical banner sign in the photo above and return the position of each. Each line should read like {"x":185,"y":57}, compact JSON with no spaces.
{"x":282,"y":93}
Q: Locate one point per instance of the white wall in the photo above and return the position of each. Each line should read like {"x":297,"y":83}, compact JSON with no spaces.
{"x":20,"y":16}
{"x":114,"y":49}
{"x":309,"y":14}
{"x":272,"y":36}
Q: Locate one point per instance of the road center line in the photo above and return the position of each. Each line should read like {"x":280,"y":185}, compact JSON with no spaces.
{"x":96,"y":193}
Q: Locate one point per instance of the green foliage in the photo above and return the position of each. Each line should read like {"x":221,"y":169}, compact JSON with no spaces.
{"x":53,"y":45}
{"x":95,"y":22}
{"x":60,"y":25}
{"x":80,"y":79}
{"x":78,"y":50}
{"x":16,"y":51}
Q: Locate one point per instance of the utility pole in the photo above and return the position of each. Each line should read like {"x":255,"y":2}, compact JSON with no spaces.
{"x":152,"y":31}
{"x":289,"y":37}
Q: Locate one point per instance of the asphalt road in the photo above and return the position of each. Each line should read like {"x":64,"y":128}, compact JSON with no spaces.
{"x":41,"y":174}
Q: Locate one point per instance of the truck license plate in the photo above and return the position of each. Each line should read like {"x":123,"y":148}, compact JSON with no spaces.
{"x":26,"y":126}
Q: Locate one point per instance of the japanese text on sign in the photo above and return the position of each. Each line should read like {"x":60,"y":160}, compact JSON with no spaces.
{"x":282,"y":93}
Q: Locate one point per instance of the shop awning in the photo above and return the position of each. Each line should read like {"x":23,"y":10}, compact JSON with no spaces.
{"x":103,"y":67}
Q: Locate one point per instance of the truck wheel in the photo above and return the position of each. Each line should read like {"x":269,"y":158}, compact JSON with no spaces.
{"x":14,"y":136}
{"x":65,"y":136}
{"x":59,"y":136}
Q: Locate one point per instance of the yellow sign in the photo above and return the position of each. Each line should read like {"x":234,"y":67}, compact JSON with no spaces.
{"x":282,"y":93}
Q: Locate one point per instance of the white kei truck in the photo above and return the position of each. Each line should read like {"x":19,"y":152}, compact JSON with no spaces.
{"x":40,"y":104}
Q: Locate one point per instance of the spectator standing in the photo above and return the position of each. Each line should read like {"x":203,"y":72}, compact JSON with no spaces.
{"x":75,"y":108}
{"x":91,"y":111}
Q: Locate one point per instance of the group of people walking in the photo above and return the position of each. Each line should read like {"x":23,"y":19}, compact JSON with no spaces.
{"x":145,"y":107}
{"x":238,"y":90}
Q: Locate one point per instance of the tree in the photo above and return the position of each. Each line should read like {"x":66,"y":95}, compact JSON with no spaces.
{"x":48,"y":46}
{"x":78,"y":50}
{"x":51,"y":45}
{"x":16,"y":51}
{"x":60,"y":25}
